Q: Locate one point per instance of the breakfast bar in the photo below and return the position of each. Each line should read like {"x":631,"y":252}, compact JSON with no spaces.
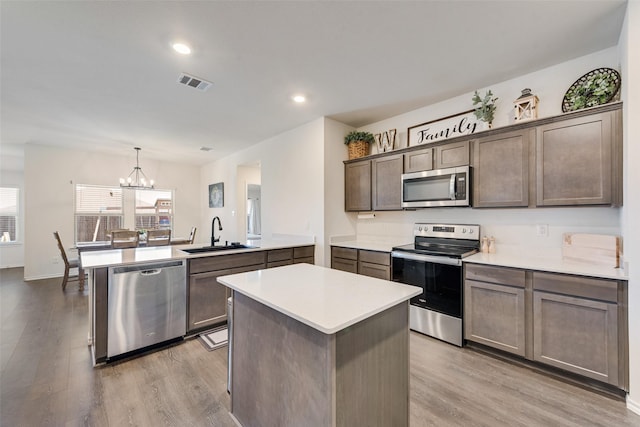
{"x":316,"y":346}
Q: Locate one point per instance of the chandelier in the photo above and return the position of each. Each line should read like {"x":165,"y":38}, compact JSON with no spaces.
{"x":137,"y":178}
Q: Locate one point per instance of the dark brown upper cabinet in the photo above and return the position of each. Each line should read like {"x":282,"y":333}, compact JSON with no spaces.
{"x":501,"y":169}
{"x":575,"y":161}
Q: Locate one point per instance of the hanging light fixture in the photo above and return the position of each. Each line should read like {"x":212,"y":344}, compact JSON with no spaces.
{"x":137,"y":178}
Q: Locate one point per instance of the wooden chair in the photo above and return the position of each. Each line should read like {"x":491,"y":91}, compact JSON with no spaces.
{"x":192,"y":235}
{"x":122,"y":239}
{"x":158,"y":237}
{"x":68,"y":265}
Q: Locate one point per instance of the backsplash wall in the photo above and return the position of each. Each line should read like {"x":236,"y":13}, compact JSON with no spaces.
{"x":508,"y":226}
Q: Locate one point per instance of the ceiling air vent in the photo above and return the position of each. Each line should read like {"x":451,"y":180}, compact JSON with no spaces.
{"x":194,"y":82}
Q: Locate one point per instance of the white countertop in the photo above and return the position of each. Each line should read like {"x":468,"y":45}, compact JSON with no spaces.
{"x":325,"y":299}
{"x":381,"y":245}
{"x":113,"y":257}
{"x":544,"y":260}
{"x":517,"y":256}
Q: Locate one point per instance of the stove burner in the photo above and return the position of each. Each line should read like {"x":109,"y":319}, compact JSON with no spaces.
{"x":453,"y":241}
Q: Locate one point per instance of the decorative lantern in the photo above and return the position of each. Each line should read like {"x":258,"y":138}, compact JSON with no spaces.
{"x":526,"y":106}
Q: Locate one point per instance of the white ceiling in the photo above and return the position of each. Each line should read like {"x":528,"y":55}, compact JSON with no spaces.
{"x":102,"y":76}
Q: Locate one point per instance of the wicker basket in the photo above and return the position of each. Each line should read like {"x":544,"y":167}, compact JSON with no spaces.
{"x":358,"y":149}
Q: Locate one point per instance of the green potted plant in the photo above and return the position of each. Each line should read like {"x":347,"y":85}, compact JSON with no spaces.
{"x":485,"y":107}
{"x":358,"y":143}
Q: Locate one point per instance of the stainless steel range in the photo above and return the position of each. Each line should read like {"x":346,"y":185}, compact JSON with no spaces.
{"x":434,"y":263}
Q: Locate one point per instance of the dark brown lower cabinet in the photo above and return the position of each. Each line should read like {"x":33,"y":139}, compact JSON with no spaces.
{"x":374,"y":264}
{"x":575,"y":326}
{"x":207,"y":298}
{"x":574,"y":323}
{"x":361,"y":261}
{"x":344,"y":259}
{"x":495,"y":316}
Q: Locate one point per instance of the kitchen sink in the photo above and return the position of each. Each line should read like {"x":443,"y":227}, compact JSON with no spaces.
{"x":217,"y":248}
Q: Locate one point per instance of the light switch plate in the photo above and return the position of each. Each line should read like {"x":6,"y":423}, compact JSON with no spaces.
{"x":542,"y":230}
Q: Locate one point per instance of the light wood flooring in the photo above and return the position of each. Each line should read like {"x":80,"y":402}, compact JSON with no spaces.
{"x":47,"y":379}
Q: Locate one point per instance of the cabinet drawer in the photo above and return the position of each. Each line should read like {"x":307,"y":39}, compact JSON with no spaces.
{"x":307,"y":260}
{"x":279,"y":263}
{"x":586,"y":287}
{"x":221,"y":262}
{"x":303,"y":252}
{"x":375,"y":257}
{"x":501,"y":275}
{"x":374,"y":270}
{"x":344,"y":264}
{"x":346,"y":253}
{"x":280,"y":255}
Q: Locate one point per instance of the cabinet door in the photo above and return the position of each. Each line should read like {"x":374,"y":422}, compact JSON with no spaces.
{"x":576,"y":334}
{"x":386,"y":183}
{"x":494,"y":315}
{"x":418,"y":161}
{"x":501,"y":169}
{"x":573,"y":162}
{"x":357,"y":188}
{"x":207,"y":300}
{"x":451,"y":155}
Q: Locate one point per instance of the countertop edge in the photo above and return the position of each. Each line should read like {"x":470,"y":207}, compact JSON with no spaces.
{"x":95,"y":259}
{"x":551,"y":265}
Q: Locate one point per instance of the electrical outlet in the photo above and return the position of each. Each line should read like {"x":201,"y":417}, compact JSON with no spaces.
{"x":542,"y":230}
{"x":55,"y":260}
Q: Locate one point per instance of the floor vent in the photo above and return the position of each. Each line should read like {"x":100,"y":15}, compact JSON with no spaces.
{"x":194,"y":82}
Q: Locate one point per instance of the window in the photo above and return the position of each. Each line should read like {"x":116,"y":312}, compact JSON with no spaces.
{"x":97,"y":210}
{"x":154,"y":209}
{"x":8,"y":214}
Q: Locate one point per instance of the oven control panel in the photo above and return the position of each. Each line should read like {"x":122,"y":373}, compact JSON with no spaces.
{"x":449,"y":231}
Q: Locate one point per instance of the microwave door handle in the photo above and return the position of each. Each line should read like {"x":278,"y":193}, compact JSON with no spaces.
{"x":452,"y":187}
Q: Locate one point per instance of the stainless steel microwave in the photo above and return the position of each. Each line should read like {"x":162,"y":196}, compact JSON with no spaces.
{"x":441,"y":187}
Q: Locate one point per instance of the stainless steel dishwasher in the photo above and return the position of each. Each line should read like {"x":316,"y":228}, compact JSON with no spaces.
{"x":146,"y":305}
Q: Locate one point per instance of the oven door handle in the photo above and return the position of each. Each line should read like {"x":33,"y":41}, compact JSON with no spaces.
{"x":427,"y":258}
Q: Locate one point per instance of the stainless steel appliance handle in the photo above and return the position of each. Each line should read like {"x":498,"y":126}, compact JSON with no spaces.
{"x":150,"y":272}
{"x":452,"y":187}
{"x":427,"y":258}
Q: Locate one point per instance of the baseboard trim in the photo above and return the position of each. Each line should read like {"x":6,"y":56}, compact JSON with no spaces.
{"x":633,"y":406}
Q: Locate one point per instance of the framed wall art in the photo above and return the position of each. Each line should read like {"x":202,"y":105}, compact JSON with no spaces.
{"x":216,"y":195}
{"x":460,"y":124}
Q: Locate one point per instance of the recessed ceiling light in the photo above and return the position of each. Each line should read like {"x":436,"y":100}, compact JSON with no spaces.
{"x":299,"y":99}
{"x":182,"y":48}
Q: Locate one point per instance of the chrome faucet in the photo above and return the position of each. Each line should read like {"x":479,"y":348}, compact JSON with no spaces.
{"x":213,"y":230}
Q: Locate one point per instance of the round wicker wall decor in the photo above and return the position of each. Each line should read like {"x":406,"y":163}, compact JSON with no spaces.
{"x":597,"y":87}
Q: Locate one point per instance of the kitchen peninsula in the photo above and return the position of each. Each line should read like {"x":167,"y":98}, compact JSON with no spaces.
{"x":316,"y":346}
{"x":141,"y":297}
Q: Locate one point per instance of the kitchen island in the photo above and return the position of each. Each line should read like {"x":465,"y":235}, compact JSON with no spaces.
{"x":316,"y":346}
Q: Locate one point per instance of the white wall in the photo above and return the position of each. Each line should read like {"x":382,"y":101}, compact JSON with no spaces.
{"x":549,"y":84}
{"x":337,"y":222}
{"x":291,"y":166}
{"x":629,"y":48}
{"x":49,"y":177}
{"x":508,"y":226}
